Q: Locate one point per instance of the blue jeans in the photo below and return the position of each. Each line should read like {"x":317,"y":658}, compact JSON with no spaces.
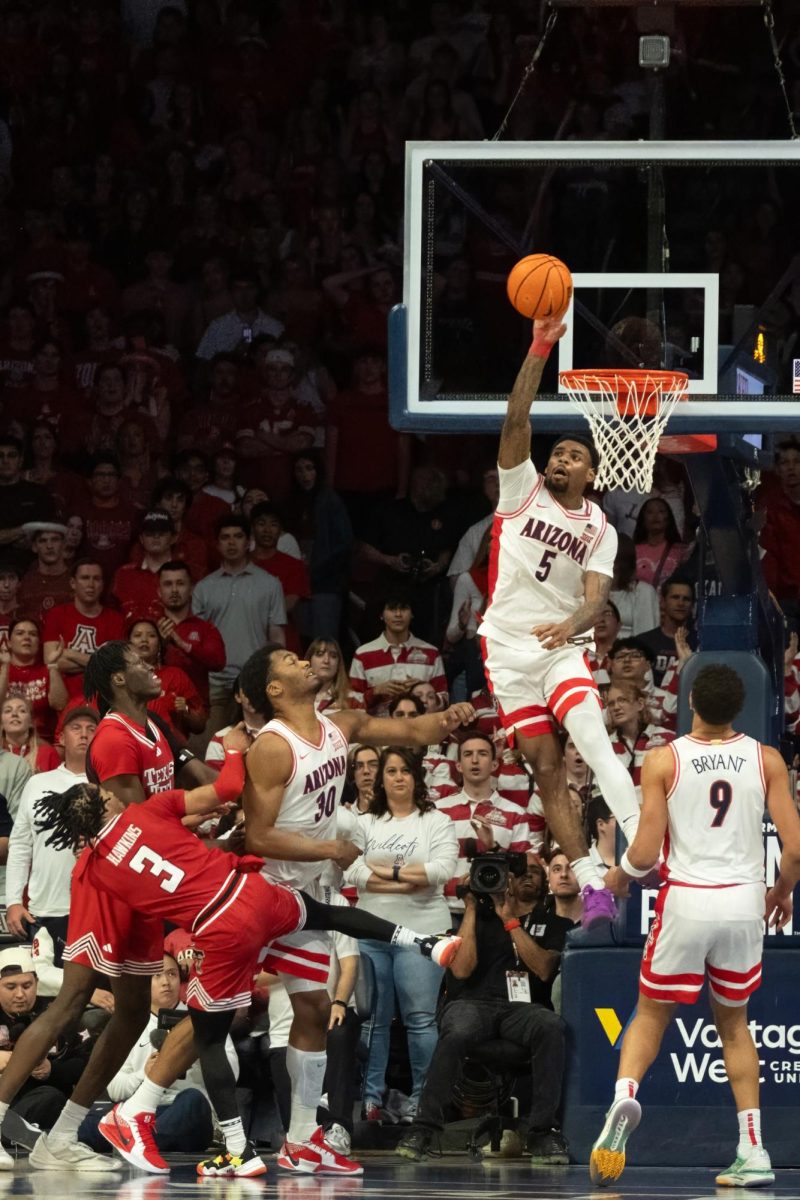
{"x":401,"y":971}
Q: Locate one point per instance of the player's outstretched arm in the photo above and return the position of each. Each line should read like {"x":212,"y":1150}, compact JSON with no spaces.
{"x":358,"y":726}
{"x":515,"y":439}
{"x":229,"y":782}
{"x":783,"y":814}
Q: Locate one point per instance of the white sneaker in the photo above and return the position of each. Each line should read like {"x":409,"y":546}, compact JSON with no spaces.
{"x":6,"y":1161}
{"x":60,"y":1155}
{"x":752,"y":1170}
{"x":338,"y":1137}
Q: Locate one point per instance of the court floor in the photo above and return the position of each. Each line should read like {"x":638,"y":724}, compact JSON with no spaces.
{"x":385,"y":1178}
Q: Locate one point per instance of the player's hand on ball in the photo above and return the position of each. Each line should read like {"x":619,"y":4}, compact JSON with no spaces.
{"x":548,"y":329}
{"x":457,"y":714}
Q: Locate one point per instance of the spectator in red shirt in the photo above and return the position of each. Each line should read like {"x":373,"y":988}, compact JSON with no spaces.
{"x":45,"y":446}
{"x":189,"y":642}
{"x":10,"y":581}
{"x":204,"y":511}
{"x":180,"y":703}
{"x":138,"y":453}
{"x":99,"y":348}
{"x":47,"y":581}
{"x":23,"y":673}
{"x":18,"y":735}
{"x":364,"y":453}
{"x":82,"y":625}
{"x":94,"y":429}
{"x":174,"y":497}
{"x":214,"y":422}
{"x":276,"y":423}
{"x":267,"y":527}
{"x":86,"y":283}
{"x":16,"y":346}
{"x":45,"y":392}
{"x":780,"y":536}
{"x":108,"y":518}
{"x":135,"y":586}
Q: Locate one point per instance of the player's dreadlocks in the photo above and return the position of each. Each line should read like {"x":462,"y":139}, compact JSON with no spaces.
{"x":104,"y":663}
{"x":71,"y":817}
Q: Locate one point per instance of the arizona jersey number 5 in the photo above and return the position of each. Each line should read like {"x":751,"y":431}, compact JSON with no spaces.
{"x":146,"y":859}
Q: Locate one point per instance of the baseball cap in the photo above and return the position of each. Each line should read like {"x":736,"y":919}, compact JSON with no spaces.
{"x":16,"y":960}
{"x":280,"y":354}
{"x":31,"y":528}
{"x":80,"y":712}
{"x":157,"y":521}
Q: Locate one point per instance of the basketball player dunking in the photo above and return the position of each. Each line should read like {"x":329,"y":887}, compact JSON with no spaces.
{"x":550,"y":568}
{"x":703,"y":802}
{"x":295,"y":774}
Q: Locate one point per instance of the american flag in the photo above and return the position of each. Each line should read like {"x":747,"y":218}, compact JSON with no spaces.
{"x":796,"y":376}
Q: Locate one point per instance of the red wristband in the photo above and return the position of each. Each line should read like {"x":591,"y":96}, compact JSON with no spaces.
{"x":514,"y":923}
{"x":540,"y":347}
{"x":229,"y":783}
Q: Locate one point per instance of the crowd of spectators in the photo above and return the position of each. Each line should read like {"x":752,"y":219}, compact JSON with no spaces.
{"x":201,"y":225}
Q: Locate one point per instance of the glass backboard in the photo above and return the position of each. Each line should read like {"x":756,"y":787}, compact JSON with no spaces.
{"x":684,"y":256}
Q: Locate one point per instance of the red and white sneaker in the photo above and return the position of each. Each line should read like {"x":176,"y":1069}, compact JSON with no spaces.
{"x":297,"y":1157}
{"x":134,"y":1139}
{"x":444,"y":950}
{"x":331,"y":1162}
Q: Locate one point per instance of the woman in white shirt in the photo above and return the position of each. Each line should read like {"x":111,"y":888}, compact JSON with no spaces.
{"x":409,"y":854}
{"x":635,"y":600}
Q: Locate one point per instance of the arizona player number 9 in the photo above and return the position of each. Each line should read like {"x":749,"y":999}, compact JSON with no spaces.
{"x":720,"y":798}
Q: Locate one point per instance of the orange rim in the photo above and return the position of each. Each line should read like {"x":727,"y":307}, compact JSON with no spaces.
{"x":644,"y":388}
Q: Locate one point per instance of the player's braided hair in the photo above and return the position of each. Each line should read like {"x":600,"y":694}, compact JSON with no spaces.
{"x":104,"y":663}
{"x":71,"y":817}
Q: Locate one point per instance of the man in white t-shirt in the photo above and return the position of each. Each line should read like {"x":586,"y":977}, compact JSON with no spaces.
{"x":552,"y":562}
{"x":44,"y":870}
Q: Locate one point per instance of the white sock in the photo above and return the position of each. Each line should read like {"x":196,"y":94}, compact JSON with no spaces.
{"x":68,"y":1123}
{"x":3,"y":1110}
{"x":403,"y":936}
{"x":749,"y":1130}
{"x":306,"y":1070}
{"x":145,"y":1099}
{"x":587,"y":873}
{"x":625,"y":1089}
{"x":233,"y":1132}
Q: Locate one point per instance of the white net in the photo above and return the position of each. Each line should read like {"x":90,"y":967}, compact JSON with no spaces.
{"x":627,"y":413}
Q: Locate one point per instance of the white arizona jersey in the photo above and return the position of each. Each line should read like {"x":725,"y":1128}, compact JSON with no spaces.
{"x":715,"y":812}
{"x":312,"y":795}
{"x":539,"y":556}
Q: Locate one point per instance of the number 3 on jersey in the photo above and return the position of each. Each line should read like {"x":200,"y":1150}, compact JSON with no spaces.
{"x":326,"y":802}
{"x":720,"y":798}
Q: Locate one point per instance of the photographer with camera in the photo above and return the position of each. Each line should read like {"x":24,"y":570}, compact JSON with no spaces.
{"x":499,"y":986}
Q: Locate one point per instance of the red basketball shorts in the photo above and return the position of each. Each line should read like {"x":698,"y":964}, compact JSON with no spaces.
{"x":229,"y":937}
{"x":107,"y":935}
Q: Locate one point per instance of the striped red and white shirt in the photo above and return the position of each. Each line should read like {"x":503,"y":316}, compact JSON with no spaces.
{"x":507,"y":819}
{"x":381,"y":662}
{"x":632,"y":753}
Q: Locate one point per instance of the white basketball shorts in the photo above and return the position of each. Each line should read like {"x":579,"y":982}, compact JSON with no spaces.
{"x":535,"y":688}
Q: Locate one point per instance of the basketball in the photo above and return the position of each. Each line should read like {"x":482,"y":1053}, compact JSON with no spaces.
{"x":540,"y":286}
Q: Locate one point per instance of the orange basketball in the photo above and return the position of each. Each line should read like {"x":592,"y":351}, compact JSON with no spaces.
{"x":540,"y":286}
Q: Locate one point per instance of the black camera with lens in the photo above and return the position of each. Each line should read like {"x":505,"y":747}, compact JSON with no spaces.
{"x":489,"y":870}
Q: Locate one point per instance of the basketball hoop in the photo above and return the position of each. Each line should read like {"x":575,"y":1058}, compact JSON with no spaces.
{"x":627,"y":413}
